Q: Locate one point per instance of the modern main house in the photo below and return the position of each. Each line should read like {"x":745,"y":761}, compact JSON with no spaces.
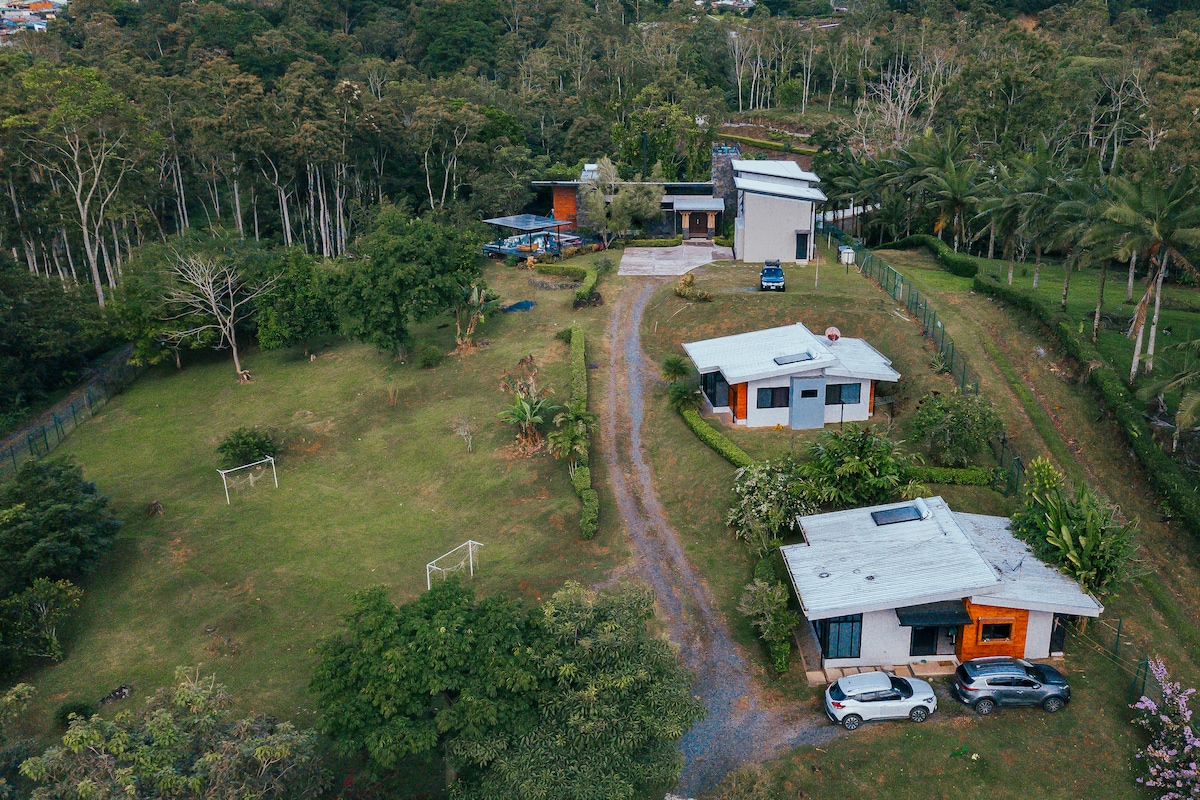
{"x":776,"y":211}
{"x":789,"y":376}
{"x":914,"y":581}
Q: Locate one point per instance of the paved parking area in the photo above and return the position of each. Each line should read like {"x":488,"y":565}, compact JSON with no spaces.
{"x":663,"y":261}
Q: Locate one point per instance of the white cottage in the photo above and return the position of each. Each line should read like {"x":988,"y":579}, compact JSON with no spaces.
{"x":788,"y":376}
{"x":776,"y":211}
{"x":914,"y":581}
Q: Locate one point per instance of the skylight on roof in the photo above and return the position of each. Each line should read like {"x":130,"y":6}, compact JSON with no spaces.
{"x":781,"y":360}
{"x":891,"y":516}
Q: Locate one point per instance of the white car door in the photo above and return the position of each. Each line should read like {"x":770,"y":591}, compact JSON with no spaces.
{"x":871,"y":705}
{"x":893,"y":704}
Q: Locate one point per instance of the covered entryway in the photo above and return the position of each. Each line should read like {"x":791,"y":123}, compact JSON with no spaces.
{"x":936,"y":627}
{"x":698,"y":215}
{"x":801,"y":246}
{"x":807,"y":410}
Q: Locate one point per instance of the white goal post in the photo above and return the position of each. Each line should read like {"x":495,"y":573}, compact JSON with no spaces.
{"x":461,"y":557}
{"x":250,"y":478}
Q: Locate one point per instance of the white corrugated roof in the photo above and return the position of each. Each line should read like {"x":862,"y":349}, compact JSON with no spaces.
{"x":1025,"y":582}
{"x":779,"y":189}
{"x":685,"y":203}
{"x":751,"y":356}
{"x":777,"y":169}
{"x":850,"y":565}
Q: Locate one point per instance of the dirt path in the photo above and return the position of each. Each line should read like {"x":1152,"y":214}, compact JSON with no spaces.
{"x":743,"y":724}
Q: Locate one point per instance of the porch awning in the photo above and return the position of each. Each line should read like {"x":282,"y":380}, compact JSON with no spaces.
{"x":684,"y":203}
{"x":947,"y":612}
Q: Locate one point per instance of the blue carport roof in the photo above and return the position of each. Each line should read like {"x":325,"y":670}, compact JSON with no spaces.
{"x":528,"y":222}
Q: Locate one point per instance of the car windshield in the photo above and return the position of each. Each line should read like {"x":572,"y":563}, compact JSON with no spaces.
{"x":772,"y":272}
{"x":902,"y":686}
{"x":836,"y":693}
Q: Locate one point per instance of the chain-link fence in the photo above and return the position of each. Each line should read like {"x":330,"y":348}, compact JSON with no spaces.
{"x":1105,"y":636}
{"x":948,"y":359}
{"x":37,"y":438}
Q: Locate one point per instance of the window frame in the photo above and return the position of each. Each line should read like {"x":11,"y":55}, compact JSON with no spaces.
{"x":774,"y":393}
{"x":847,"y":643}
{"x":984,"y":624}
{"x":835,"y":394}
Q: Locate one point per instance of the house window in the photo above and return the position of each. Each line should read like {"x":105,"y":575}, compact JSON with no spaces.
{"x":995,"y":631}
{"x":840,"y":637}
{"x":843,"y":394}
{"x":715,"y":388}
{"x":808,"y":394}
{"x":778,"y":397}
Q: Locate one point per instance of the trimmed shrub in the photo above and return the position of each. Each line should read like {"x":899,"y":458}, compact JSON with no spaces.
{"x":571,"y":271}
{"x":960,"y":264}
{"x":245,"y":446}
{"x":723,"y":241}
{"x":1181,"y":492}
{"x":950,"y":476}
{"x":716,"y":440}
{"x":674,"y":241}
{"x":764,"y":570}
{"x":589,"y":520}
{"x":781,"y":655}
{"x":582,"y":480}
{"x":564,"y":335}
{"x":579,"y":385}
{"x":80,"y":708}
{"x":429,"y":356}
{"x":583,"y":295}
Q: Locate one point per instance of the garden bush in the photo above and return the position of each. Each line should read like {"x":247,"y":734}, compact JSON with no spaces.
{"x":764,"y":569}
{"x":956,"y":426}
{"x":951,"y":476}
{"x":723,"y":241}
{"x":1181,"y":493}
{"x":582,"y":480}
{"x":715,"y":439}
{"x":960,"y":264}
{"x":765,"y":505}
{"x":584,"y":294}
{"x":674,"y":241}
{"x":80,"y":708}
{"x":766,"y":604}
{"x":572,"y":271}
{"x":245,"y":446}
{"x":686,"y":288}
{"x":1169,"y":760}
{"x":579,"y":384}
{"x":589,"y":520}
{"x":429,"y":355}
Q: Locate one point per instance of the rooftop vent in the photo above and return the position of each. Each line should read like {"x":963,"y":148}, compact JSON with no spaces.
{"x":832,"y":334}
{"x":890,"y":516}
{"x":796,"y":359}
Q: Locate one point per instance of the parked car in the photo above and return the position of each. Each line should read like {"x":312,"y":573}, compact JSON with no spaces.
{"x":771,"y":277}
{"x":854,"y":699}
{"x":984,"y":683}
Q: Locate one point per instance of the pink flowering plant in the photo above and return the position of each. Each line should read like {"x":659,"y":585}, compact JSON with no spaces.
{"x":1172,"y":757}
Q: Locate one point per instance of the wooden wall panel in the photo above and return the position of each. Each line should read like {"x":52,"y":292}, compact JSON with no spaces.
{"x":969,"y":645}
{"x":566,"y":205}
{"x":737,"y":399}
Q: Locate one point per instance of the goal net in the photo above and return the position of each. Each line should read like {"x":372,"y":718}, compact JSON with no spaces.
{"x":249,"y":475}
{"x":463,"y":557}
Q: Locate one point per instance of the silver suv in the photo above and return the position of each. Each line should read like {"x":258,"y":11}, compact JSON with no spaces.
{"x":984,"y":683}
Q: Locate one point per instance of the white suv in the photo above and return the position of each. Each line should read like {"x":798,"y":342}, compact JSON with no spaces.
{"x":854,"y":699}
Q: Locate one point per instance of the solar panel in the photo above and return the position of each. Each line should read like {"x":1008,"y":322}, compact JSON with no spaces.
{"x":781,"y":360}
{"x":891,"y":516}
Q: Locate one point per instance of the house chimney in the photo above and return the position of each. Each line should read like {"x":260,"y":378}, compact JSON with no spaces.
{"x":832,"y":334}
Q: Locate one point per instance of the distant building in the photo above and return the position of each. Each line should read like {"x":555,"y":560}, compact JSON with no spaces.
{"x":776,"y":211}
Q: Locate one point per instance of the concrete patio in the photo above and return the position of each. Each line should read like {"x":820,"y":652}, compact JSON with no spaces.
{"x":665,"y":261}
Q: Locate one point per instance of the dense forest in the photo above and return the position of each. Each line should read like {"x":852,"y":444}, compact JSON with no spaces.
{"x":287,"y":123}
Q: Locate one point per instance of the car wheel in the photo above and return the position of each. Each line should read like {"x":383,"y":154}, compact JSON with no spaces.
{"x":1053,"y":704}
{"x":985,"y":707}
{"x":919,"y":714}
{"x":851,"y":722}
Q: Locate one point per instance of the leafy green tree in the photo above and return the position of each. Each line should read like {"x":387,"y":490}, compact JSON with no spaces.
{"x":245,"y":446}
{"x":409,"y":269}
{"x":299,"y":307}
{"x":184,"y":745}
{"x":571,"y":438}
{"x":29,"y":622}
{"x":766,"y":604}
{"x":855,"y":466}
{"x":53,"y":525}
{"x":13,"y":704}
{"x":1185,"y":381}
{"x":471,"y":307}
{"x":956,"y":426}
{"x":767,"y":503}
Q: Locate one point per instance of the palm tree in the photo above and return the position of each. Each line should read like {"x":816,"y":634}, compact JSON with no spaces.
{"x":952,"y":185}
{"x":1187,"y":381}
{"x":1156,"y":217}
{"x":1001,"y":208}
{"x":675,"y":368}
{"x":527,"y":413}
{"x":1072,"y":219}
{"x":1038,"y":194}
{"x":571,"y":438}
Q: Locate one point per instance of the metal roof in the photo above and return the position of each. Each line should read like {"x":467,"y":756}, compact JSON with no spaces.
{"x":751,"y":356}
{"x":776,"y":169}
{"x":685,"y":203}
{"x":945,"y":612}
{"x":850,"y":565}
{"x":1025,"y":582}
{"x":528,"y":222}
{"x":791,"y":191}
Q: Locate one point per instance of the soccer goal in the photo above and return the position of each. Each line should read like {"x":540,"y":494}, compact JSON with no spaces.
{"x":248,"y":475}
{"x":465,"y":556}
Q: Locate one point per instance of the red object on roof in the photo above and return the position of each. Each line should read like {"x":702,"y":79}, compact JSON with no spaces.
{"x":41,"y":5}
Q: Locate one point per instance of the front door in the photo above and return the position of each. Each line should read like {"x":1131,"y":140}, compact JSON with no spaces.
{"x":924,"y":641}
{"x":807,"y":411}
{"x":1058,"y":634}
{"x":802,"y":247}
{"x":698,"y":224}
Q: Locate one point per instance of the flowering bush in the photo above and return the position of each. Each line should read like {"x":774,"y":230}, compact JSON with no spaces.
{"x":766,"y":505}
{"x":1174,"y":750}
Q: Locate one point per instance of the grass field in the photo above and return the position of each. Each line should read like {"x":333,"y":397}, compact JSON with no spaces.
{"x":368,"y":493}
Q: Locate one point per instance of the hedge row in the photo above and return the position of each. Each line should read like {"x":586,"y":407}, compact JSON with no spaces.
{"x":1177,"y":488}
{"x":674,"y":241}
{"x":584,"y":293}
{"x":589,"y":518}
{"x":716,"y":440}
{"x":723,"y":241}
{"x":964,"y":266}
{"x":951,"y":476}
{"x":571,"y":271}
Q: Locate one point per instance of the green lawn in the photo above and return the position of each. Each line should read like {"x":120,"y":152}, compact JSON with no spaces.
{"x":368,"y":493}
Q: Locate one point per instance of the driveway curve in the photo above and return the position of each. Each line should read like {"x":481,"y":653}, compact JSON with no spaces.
{"x":744,"y":724}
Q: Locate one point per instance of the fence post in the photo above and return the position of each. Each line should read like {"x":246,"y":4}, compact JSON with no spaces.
{"x":1117,"y":641}
{"x":1139,"y":675}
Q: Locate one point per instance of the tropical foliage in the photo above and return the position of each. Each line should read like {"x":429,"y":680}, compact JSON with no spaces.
{"x":955,"y":426}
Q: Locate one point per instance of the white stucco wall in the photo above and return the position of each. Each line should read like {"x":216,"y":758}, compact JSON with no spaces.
{"x":770,"y":227}
{"x":856,"y":412}
{"x":1037,"y":635}
{"x":763,"y":417}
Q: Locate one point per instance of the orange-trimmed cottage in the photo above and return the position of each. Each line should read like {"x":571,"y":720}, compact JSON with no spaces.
{"x":914,"y":581}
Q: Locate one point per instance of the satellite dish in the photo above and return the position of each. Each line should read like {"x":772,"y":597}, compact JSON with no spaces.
{"x":832,"y":334}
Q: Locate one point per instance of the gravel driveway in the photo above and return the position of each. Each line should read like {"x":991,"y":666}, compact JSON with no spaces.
{"x":744,"y":724}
